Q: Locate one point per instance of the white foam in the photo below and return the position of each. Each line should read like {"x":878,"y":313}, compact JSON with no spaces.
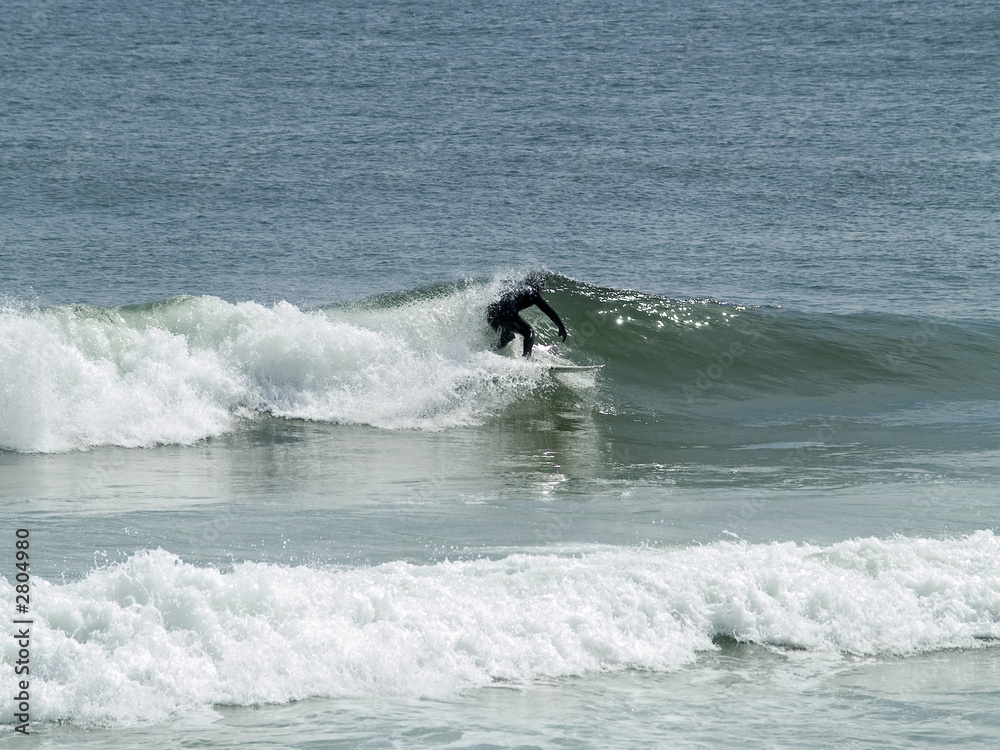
{"x":152,"y":636}
{"x":178,"y":371}
{"x":70,"y":378}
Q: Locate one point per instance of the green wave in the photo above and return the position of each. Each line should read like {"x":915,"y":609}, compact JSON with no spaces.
{"x":708,"y":349}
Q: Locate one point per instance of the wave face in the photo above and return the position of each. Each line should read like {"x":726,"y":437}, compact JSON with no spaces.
{"x":185,"y":369}
{"x":150,"y":636}
{"x":697,"y":350}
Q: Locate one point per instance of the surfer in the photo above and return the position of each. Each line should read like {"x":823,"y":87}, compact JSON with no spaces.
{"x":503,"y":315}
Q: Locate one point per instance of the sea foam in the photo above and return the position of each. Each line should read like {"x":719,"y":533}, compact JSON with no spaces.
{"x":185,"y":369}
{"x":151,"y":636}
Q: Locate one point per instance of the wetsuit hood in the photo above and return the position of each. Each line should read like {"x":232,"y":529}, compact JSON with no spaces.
{"x":535,"y":281}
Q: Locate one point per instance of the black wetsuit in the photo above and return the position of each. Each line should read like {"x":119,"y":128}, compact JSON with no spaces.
{"x":504,"y":316}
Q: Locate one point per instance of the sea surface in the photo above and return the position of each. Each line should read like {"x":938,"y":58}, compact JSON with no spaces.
{"x":276,"y":489}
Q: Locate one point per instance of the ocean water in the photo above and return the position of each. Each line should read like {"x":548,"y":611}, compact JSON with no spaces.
{"x":276,"y":488}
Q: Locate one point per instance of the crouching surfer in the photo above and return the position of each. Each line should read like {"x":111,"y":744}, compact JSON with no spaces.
{"x":504,"y":314}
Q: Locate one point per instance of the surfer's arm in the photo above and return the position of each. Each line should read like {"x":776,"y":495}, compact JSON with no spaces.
{"x":553,"y":315}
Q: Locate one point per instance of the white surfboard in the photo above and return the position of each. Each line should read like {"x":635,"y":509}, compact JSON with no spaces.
{"x":545,"y":356}
{"x":574,"y":368}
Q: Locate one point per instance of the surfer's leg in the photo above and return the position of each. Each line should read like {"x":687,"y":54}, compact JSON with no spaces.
{"x":521,"y":326}
{"x":529,"y":341}
{"x":507,"y":323}
{"x":506,"y":336}
{"x":501,"y":320}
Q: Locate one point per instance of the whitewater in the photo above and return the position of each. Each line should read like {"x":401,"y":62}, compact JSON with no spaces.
{"x":152,"y":636}
{"x":185,"y":369}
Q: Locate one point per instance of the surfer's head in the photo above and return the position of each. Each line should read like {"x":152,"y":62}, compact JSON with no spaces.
{"x":535,"y":280}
